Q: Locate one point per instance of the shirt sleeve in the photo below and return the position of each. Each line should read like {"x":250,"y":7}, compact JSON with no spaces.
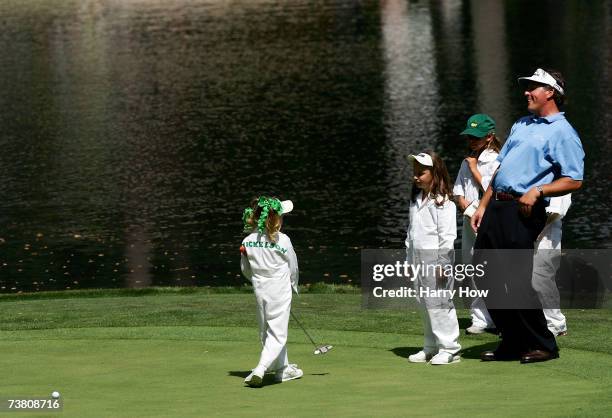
{"x":458,"y":189}
{"x":568,"y":155}
{"x":447,"y":225}
{"x":293,"y":266}
{"x":486,"y":171}
{"x":447,"y":232}
{"x":408,"y":240}
{"x":245,"y":267}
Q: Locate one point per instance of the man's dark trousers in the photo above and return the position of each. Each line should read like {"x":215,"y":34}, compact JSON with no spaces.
{"x":522,"y":323}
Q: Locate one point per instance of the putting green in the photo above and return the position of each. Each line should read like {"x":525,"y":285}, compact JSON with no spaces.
{"x":195,"y":370}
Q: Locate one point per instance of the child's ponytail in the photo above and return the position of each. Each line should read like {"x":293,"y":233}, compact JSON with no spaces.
{"x":265,"y":215}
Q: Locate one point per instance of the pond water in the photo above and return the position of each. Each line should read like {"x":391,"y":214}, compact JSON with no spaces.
{"x":135,"y":132}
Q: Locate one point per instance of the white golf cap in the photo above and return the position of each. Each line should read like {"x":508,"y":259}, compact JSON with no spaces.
{"x":541,"y":76}
{"x":287,"y":206}
{"x":422,"y":158}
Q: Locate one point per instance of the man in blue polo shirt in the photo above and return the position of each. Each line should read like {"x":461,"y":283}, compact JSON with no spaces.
{"x":543,"y":157}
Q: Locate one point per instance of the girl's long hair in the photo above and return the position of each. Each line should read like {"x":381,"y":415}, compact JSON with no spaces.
{"x":495,"y":143}
{"x":273,"y":222}
{"x":440,"y":184}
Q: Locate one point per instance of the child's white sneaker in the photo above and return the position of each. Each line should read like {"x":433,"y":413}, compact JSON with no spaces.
{"x":288,"y":373}
{"x":444,"y":358}
{"x":420,"y":357}
{"x":475,"y":330}
{"x":254,"y":380}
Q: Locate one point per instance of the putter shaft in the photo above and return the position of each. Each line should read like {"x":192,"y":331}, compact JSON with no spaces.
{"x":303,"y":329}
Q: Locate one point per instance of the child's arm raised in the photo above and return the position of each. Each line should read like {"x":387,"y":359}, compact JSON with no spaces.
{"x":472,"y":163}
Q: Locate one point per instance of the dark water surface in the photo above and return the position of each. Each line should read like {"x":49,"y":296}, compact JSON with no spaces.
{"x":135,"y":132}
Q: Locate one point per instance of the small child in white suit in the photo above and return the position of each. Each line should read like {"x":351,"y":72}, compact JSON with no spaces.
{"x":473,"y":178}
{"x":429,"y":241}
{"x":268,"y":260}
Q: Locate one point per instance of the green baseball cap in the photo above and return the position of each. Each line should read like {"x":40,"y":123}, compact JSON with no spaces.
{"x":479,"y":125}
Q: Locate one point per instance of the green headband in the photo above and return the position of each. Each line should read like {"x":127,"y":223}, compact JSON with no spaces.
{"x":266,"y":204}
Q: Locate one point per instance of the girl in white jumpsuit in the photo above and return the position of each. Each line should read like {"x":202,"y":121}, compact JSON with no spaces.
{"x":473,"y":179}
{"x":268,"y":260}
{"x":429,"y":241}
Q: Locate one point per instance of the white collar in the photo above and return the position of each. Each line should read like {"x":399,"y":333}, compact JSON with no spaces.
{"x":487,"y":156}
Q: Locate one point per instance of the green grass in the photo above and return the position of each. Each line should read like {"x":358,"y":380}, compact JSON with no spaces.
{"x":184,"y":353}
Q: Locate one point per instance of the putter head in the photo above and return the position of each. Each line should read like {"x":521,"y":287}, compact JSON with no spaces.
{"x":323,"y":349}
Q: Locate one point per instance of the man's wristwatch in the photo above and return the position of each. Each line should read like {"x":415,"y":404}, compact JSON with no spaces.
{"x":541,"y":190}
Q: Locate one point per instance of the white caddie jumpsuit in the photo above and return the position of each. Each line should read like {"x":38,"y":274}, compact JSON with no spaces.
{"x":430,"y":240}
{"x":272,"y":268}
{"x":466,"y":186}
{"x":546,"y":260}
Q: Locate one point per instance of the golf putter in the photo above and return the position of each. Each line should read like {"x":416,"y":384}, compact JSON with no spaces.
{"x":321,"y":349}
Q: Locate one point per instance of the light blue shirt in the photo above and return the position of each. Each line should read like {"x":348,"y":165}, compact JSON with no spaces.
{"x":539,"y":151}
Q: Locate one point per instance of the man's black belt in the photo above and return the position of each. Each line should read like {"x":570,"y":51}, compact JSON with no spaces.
{"x":505,"y":196}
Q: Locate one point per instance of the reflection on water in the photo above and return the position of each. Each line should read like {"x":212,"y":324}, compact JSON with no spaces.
{"x":133,"y":133}
{"x":490,"y":62}
{"x":411,"y":100}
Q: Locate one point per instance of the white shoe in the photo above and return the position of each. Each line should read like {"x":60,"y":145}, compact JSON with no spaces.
{"x":475,"y":330}
{"x":290,"y":372}
{"x":254,"y":380}
{"x":444,"y":358}
{"x":420,"y":357}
